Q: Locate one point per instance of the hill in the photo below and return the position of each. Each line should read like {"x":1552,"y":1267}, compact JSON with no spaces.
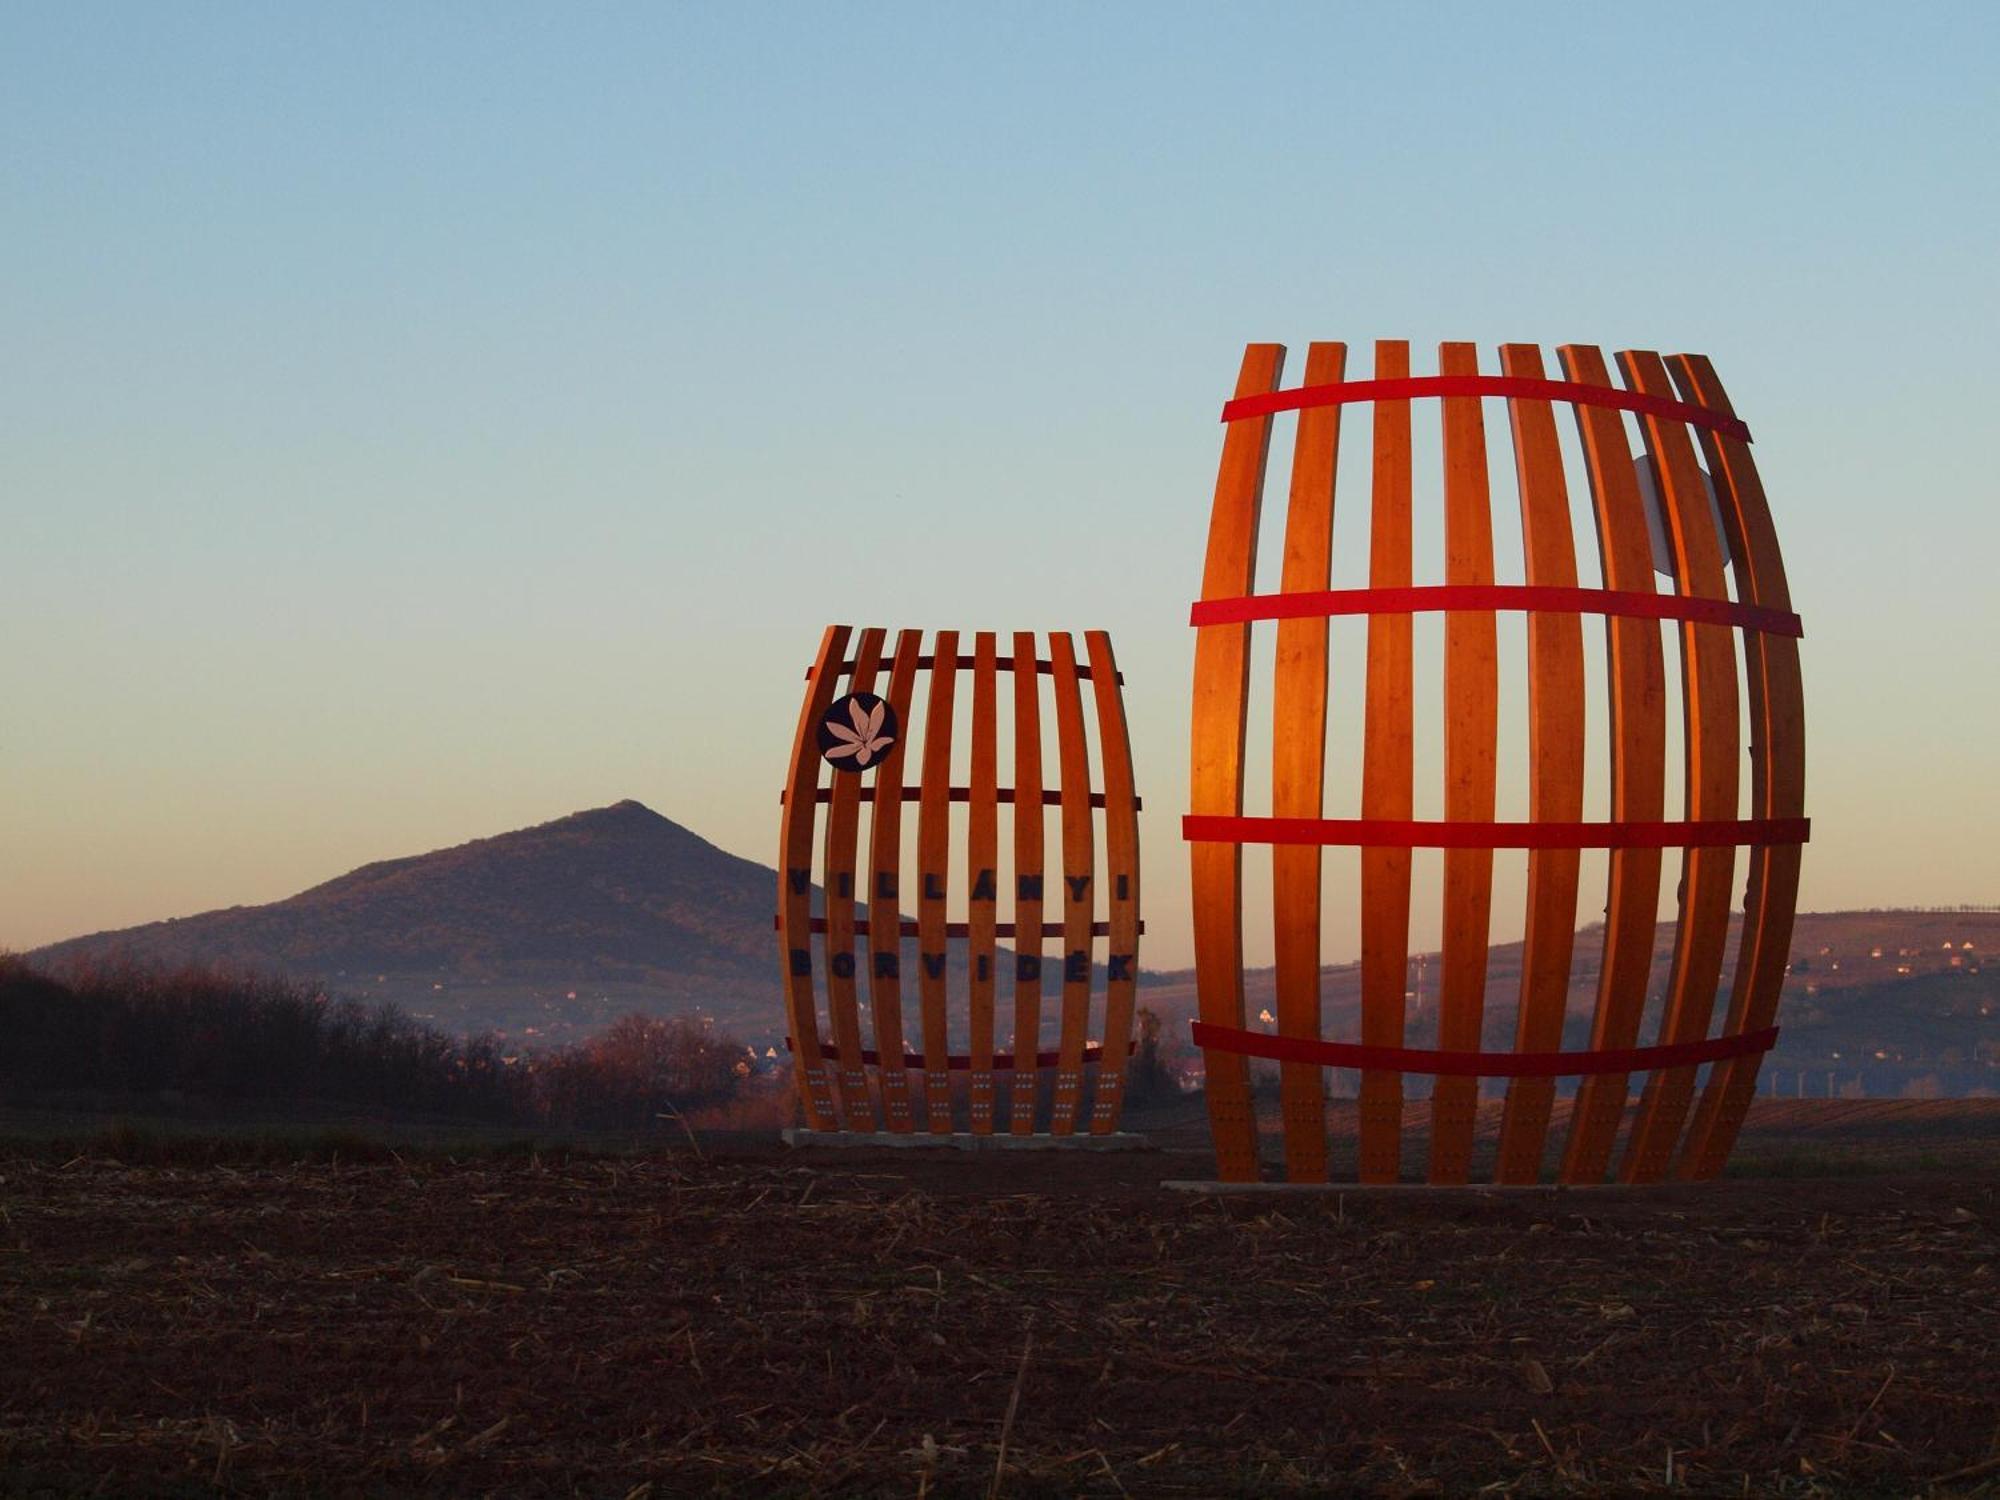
{"x":546,"y":932}
{"x":1876,"y":1002}
{"x":549,"y":933}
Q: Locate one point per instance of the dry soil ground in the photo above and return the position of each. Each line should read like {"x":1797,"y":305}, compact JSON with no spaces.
{"x":754,"y":1322}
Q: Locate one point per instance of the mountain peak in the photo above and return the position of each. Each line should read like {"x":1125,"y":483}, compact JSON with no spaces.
{"x":608,"y":893}
{"x":628,"y":811}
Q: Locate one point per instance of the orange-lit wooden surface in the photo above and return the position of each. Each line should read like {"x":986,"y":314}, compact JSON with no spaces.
{"x":1637,"y":694}
{"x":1386,"y":780}
{"x":933,"y":883}
{"x":1027,"y":889}
{"x":870,"y":1086}
{"x":885,"y":885}
{"x":1555,"y":769}
{"x":795,"y":844}
{"x":1298,"y":766}
{"x":843,"y":822}
{"x":1471,"y":739}
{"x":1215,"y":783}
{"x":1559,"y":710}
{"x":1713,"y":742}
{"x":982,"y":866}
{"x":1777,"y":776}
{"x":1121,"y":883}
{"x":1078,"y":881}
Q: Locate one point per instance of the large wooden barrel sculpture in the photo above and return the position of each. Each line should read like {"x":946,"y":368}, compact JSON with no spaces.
{"x":1709,"y":527}
{"x":853,"y":747}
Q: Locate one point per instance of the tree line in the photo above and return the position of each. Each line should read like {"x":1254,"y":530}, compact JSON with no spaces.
{"x":256,"y":1040}
{"x":249,"y":1039}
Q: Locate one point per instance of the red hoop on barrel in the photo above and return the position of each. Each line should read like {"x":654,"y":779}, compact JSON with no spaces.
{"x":1627,"y":604}
{"x":1296,"y":1049}
{"x":1342,"y":392}
{"x":1389,"y":833}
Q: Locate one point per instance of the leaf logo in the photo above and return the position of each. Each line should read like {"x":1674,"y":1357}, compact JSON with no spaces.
{"x":856,"y":731}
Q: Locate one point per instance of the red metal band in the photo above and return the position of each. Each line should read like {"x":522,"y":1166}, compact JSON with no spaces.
{"x":1051,"y":796}
{"x":1342,"y":392}
{"x":1388,"y":833}
{"x":959,"y":1062}
{"x":1292,"y":1049}
{"x":964,"y":663}
{"x":912,"y":928}
{"x":1399,"y":601}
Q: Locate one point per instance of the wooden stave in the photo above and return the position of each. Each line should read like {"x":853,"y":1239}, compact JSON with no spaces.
{"x":1777,"y":767}
{"x":1712,"y":744}
{"x":1028,"y":866}
{"x":982,"y":856}
{"x":795,"y":845}
{"x":885,"y":926}
{"x":1387,"y":778}
{"x":1636,"y":697}
{"x":933,"y":882}
{"x":1471,"y":750}
{"x":1121,"y":859}
{"x":1215,"y":782}
{"x":1298,"y":765}
{"x":1078,"y":864}
{"x":1556,"y":707}
{"x":838,"y":856}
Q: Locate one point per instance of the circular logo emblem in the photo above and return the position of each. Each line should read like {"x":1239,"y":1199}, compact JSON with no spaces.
{"x":857,"y":731}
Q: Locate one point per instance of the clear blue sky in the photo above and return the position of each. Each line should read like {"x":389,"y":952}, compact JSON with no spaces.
{"x":426,"y":420}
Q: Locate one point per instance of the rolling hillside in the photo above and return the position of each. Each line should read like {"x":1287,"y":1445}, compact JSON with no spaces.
{"x":549,"y":933}
{"x":1877,"y":1002}
{"x":546,"y":932}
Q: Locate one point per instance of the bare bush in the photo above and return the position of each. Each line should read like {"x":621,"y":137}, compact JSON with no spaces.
{"x":126,"y":1029}
{"x":1150,"y":1077}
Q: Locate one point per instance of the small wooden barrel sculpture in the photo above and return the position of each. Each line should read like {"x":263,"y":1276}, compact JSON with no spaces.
{"x":859,"y":740}
{"x":1677,"y":403}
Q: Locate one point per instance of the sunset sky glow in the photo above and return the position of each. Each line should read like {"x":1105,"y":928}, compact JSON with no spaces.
{"x":427,"y":421}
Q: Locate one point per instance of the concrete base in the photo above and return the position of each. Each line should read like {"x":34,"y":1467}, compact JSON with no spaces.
{"x":914,"y":1140}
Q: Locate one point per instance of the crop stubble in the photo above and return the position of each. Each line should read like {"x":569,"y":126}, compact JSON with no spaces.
{"x":752,"y":1323}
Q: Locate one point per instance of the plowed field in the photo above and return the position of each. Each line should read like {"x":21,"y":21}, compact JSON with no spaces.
{"x":754,"y":1322}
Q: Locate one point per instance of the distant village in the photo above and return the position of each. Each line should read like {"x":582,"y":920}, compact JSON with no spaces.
{"x":1906,"y":1016}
